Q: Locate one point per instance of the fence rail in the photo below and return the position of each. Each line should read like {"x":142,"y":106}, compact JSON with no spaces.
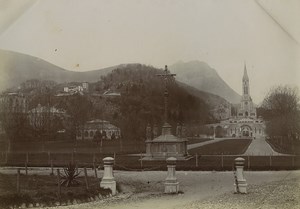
{"x":136,"y":162}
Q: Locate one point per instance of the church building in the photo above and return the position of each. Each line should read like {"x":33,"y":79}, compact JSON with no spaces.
{"x":245,"y":123}
{"x":246,"y":108}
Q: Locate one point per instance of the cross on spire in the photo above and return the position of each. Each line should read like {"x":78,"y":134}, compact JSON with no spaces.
{"x":165,"y":76}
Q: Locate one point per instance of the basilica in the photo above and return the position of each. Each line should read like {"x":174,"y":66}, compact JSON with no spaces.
{"x":245,"y":122}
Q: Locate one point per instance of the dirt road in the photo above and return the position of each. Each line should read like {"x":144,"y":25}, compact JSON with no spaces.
{"x":259,"y":146}
{"x":144,"y":190}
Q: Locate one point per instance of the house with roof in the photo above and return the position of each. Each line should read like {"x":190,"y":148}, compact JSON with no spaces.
{"x":98,"y":129}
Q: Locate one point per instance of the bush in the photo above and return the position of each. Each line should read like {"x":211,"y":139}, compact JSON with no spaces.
{"x":15,"y":200}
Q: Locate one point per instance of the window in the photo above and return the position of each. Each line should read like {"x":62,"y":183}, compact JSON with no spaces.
{"x":91,"y":133}
{"x":86,"y":134}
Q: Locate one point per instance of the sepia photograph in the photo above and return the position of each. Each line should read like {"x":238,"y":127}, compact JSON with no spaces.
{"x":165,"y":104}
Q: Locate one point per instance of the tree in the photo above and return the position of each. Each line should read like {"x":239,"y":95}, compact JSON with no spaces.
{"x":13,"y":116}
{"x":79,"y":108}
{"x":45,"y":122}
{"x":15,"y":126}
{"x":280,"y":108}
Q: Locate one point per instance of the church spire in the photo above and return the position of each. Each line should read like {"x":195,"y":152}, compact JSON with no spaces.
{"x":245,"y":77}
{"x":245,"y":81}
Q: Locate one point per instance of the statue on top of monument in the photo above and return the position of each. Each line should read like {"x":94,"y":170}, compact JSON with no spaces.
{"x":148,"y":132}
{"x":178,"y":130}
{"x":155,"y":131}
{"x":183,"y":131}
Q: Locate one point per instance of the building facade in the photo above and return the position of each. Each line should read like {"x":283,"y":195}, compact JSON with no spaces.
{"x":245,"y":123}
{"x":13,"y":102}
{"x":46,"y":116}
{"x":98,"y":129}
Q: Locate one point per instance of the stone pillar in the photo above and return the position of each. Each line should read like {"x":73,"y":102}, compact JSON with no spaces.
{"x":240,"y":184}
{"x":155,"y":131}
{"x":178,"y":130}
{"x":171,"y":183}
{"x":148,"y":132}
{"x":183,"y":131}
{"x":148,"y":149}
{"x":108,"y":180}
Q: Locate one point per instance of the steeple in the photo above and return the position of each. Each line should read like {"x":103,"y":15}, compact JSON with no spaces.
{"x":245,"y":82}
{"x":245,"y":77}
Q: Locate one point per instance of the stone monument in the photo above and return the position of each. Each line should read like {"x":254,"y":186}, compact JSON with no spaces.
{"x":166,"y":145}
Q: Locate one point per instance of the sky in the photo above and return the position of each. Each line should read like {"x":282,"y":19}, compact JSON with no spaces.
{"x":87,"y":35}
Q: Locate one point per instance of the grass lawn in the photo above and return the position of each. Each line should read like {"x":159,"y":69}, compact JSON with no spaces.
{"x":285,"y":146}
{"x":195,"y":140}
{"x":227,"y":147}
{"x":108,"y":146}
{"x":44,"y":190}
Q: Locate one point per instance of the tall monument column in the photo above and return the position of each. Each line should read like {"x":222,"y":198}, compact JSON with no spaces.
{"x":166,"y":75}
{"x":166,"y":145}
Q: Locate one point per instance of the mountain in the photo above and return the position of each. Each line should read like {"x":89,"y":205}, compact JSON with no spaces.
{"x":211,"y":99}
{"x":202,"y":77}
{"x":16,"y":68}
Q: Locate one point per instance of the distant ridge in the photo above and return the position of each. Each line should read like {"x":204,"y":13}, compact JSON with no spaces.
{"x":16,"y":68}
{"x":202,"y":77}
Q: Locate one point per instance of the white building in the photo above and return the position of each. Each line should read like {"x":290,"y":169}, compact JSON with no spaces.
{"x":73,"y":89}
{"x":246,"y":108}
{"x":41,"y":116}
{"x":246,"y":123}
{"x":97,"y":129}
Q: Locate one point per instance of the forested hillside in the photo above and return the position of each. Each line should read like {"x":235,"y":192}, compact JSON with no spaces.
{"x":141,"y":101}
{"x":137,"y":99}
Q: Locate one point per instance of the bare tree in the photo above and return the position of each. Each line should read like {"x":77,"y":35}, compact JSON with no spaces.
{"x":280,"y":109}
{"x":15,"y":126}
{"x":79,"y":108}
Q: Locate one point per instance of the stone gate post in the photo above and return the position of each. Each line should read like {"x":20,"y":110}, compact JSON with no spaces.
{"x":171,"y":183}
{"x":240,"y":184}
{"x":108,"y":180}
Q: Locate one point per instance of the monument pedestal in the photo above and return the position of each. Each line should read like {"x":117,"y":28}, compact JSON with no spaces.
{"x":166,"y":145}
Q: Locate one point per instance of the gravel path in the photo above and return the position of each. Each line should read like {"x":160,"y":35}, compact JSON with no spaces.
{"x":284,"y":194}
{"x":144,"y":190}
{"x":192,"y":146}
{"x":259,"y":146}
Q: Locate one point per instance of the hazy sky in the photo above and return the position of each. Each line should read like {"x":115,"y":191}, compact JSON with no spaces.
{"x":86,"y":35}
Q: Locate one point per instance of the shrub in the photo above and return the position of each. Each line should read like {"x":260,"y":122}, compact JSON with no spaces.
{"x":70,"y":176}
